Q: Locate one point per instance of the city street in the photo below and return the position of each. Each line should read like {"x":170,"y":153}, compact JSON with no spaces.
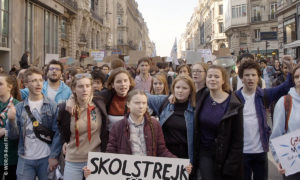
{"x":273,"y":173}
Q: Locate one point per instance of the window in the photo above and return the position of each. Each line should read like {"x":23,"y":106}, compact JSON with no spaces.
{"x":28,"y":27}
{"x":120,"y":38}
{"x":64,"y":28}
{"x":273,"y":9}
{"x":92,"y":39}
{"x":119,"y":20}
{"x":92,"y":5}
{"x":221,"y":28}
{"x":256,"y":13}
{"x":4,"y":23}
{"x":97,"y":40}
{"x":257,"y":34}
{"x":51,"y":33}
{"x":220,"y":9}
{"x":290,"y":31}
{"x":239,"y":11}
{"x":243,"y":38}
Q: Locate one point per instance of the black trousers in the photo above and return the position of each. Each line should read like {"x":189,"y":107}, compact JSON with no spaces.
{"x":256,"y":165}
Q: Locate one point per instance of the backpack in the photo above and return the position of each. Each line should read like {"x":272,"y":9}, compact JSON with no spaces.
{"x":288,"y":103}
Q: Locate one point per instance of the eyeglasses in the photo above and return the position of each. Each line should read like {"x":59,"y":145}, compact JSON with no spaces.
{"x":36,"y":81}
{"x":197,"y":71}
{"x":56,"y":69}
{"x":83,"y":75}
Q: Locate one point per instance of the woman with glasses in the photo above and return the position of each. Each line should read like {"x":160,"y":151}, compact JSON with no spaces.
{"x":84,"y":131}
{"x":199,"y":75}
{"x":9,"y":94}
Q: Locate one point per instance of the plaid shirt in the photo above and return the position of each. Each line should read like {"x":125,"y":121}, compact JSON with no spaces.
{"x":137,"y":138}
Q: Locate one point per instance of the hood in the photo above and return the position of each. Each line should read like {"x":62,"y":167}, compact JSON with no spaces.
{"x":294,"y":94}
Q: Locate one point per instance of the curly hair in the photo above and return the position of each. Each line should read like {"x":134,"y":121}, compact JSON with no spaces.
{"x":249,"y":65}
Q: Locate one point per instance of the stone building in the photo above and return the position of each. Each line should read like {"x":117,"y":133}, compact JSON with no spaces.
{"x":69,"y":28}
{"x":288,"y":13}
{"x":245,"y":20}
{"x":205,"y":30}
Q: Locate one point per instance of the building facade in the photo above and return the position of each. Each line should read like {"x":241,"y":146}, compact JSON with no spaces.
{"x":245,"y":20}
{"x":69,"y":28}
{"x":205,"y":30}
{"x":288,"y":14}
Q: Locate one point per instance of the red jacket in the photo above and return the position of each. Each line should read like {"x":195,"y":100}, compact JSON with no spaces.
{"x":119,"y":139}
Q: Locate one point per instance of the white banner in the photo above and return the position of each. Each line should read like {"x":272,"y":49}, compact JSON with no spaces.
{"x":130,"y":167}
{"x":97,"y":55}
{"x":287,"y":149}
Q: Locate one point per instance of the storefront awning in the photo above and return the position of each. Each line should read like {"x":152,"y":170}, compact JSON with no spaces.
{"x":292,"y":44}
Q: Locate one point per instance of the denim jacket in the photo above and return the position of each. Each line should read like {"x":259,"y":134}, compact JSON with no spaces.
{"x":156,"y":101}
{"x":64,"y":92}
{"x":49,"y":112}
{"x":263,"y":99}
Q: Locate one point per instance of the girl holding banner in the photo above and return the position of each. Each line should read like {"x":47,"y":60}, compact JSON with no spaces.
{"x":9,"y":94}
{"x":84,"y":131}
{"x":137,"y":133}
{"x":218,"y":130}
{"x":286,"y":118}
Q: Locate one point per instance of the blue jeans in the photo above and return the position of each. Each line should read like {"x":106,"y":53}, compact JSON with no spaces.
{"x":73,"y":170}
{"x":256,"y":165}
{"x":29,"y":169}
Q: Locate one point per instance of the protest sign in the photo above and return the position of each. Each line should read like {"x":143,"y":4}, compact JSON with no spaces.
{"x":193,"y":57}
{"x":50,"y":57}
{"x":130,"y":167}
{"x":98,"y":55}
{"x":134,"y":56}
{"x":287,"y":149}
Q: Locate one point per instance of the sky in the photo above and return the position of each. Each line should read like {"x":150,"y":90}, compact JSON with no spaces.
{"x":166,"y":20}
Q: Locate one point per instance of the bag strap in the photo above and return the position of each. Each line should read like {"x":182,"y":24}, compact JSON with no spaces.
{"x":288,"y":109}
{"x":234,"y":83}
{"x":32,"y":118}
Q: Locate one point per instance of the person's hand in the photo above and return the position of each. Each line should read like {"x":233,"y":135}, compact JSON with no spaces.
{"x":64,"y":148}
{"x":52,"y":164}
{"x":70,"y":105}
{"x":11,"y":113}
{"x":86,"y":171}
{"x":171,"y":99}
{"x":189,"y":168}
{"x":2,"y":132}
{"x":280,"y":169}
{"x":288,"y":61}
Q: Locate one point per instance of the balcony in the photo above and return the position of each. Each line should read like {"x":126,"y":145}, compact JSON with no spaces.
{"x":285,"y":4}
{"x":69,"y":4}
{"x":97,"y":17}
{"x":272,"y":17}
{"x":256,"y":19}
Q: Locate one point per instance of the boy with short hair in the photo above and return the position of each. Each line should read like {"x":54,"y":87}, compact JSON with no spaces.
{"x":144,"y":79}
{"x":33,"y":122}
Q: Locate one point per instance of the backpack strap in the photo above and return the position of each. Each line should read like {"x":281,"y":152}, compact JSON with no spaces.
{"x":288,"y":109}
{"x":164,"y":104}
{"x":234,"y":83}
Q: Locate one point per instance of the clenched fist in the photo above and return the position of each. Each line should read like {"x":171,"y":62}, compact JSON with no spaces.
{"x":11,"y":113}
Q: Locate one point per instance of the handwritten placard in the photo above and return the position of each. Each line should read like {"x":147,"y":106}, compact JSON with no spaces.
{"x":287,"y":149}
{"x":130,"y":167}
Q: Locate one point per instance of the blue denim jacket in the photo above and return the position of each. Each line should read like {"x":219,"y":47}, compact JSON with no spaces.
{"x":263,"y":99}
{"x":63,"y":94}
{"x":156,"y":101}
{"x":49,"y":112}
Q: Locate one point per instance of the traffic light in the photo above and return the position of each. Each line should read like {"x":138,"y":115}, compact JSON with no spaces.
{"x":267,"y":44}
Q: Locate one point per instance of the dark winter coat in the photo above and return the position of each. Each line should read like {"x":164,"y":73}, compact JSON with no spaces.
{"x":64,"y":121}
{"x":119,"y":139}
{"x":228,"y":142}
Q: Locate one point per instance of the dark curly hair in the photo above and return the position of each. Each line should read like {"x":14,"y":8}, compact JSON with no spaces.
{"x":249,"y":65}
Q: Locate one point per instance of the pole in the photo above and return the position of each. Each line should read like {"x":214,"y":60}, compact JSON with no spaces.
{"x":266,"y":48}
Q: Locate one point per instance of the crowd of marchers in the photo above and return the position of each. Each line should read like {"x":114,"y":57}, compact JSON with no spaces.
{"x":51,"y":118}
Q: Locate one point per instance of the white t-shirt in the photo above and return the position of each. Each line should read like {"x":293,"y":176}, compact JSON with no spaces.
{"x":34,"y":147}
{"x":51,"y":93}
{"x":252,"y":143}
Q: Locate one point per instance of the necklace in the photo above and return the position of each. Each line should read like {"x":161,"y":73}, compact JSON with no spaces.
{"x":213,"y":102}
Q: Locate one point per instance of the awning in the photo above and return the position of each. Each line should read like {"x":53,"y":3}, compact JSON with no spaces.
{"x":292,"y":44}
{"x":263,"y":51}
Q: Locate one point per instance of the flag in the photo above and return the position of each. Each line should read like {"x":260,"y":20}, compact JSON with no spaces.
{"x":174,"y":51}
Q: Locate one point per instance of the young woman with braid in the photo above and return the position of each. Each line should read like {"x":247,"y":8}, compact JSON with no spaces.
{"x":86,"y":130}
